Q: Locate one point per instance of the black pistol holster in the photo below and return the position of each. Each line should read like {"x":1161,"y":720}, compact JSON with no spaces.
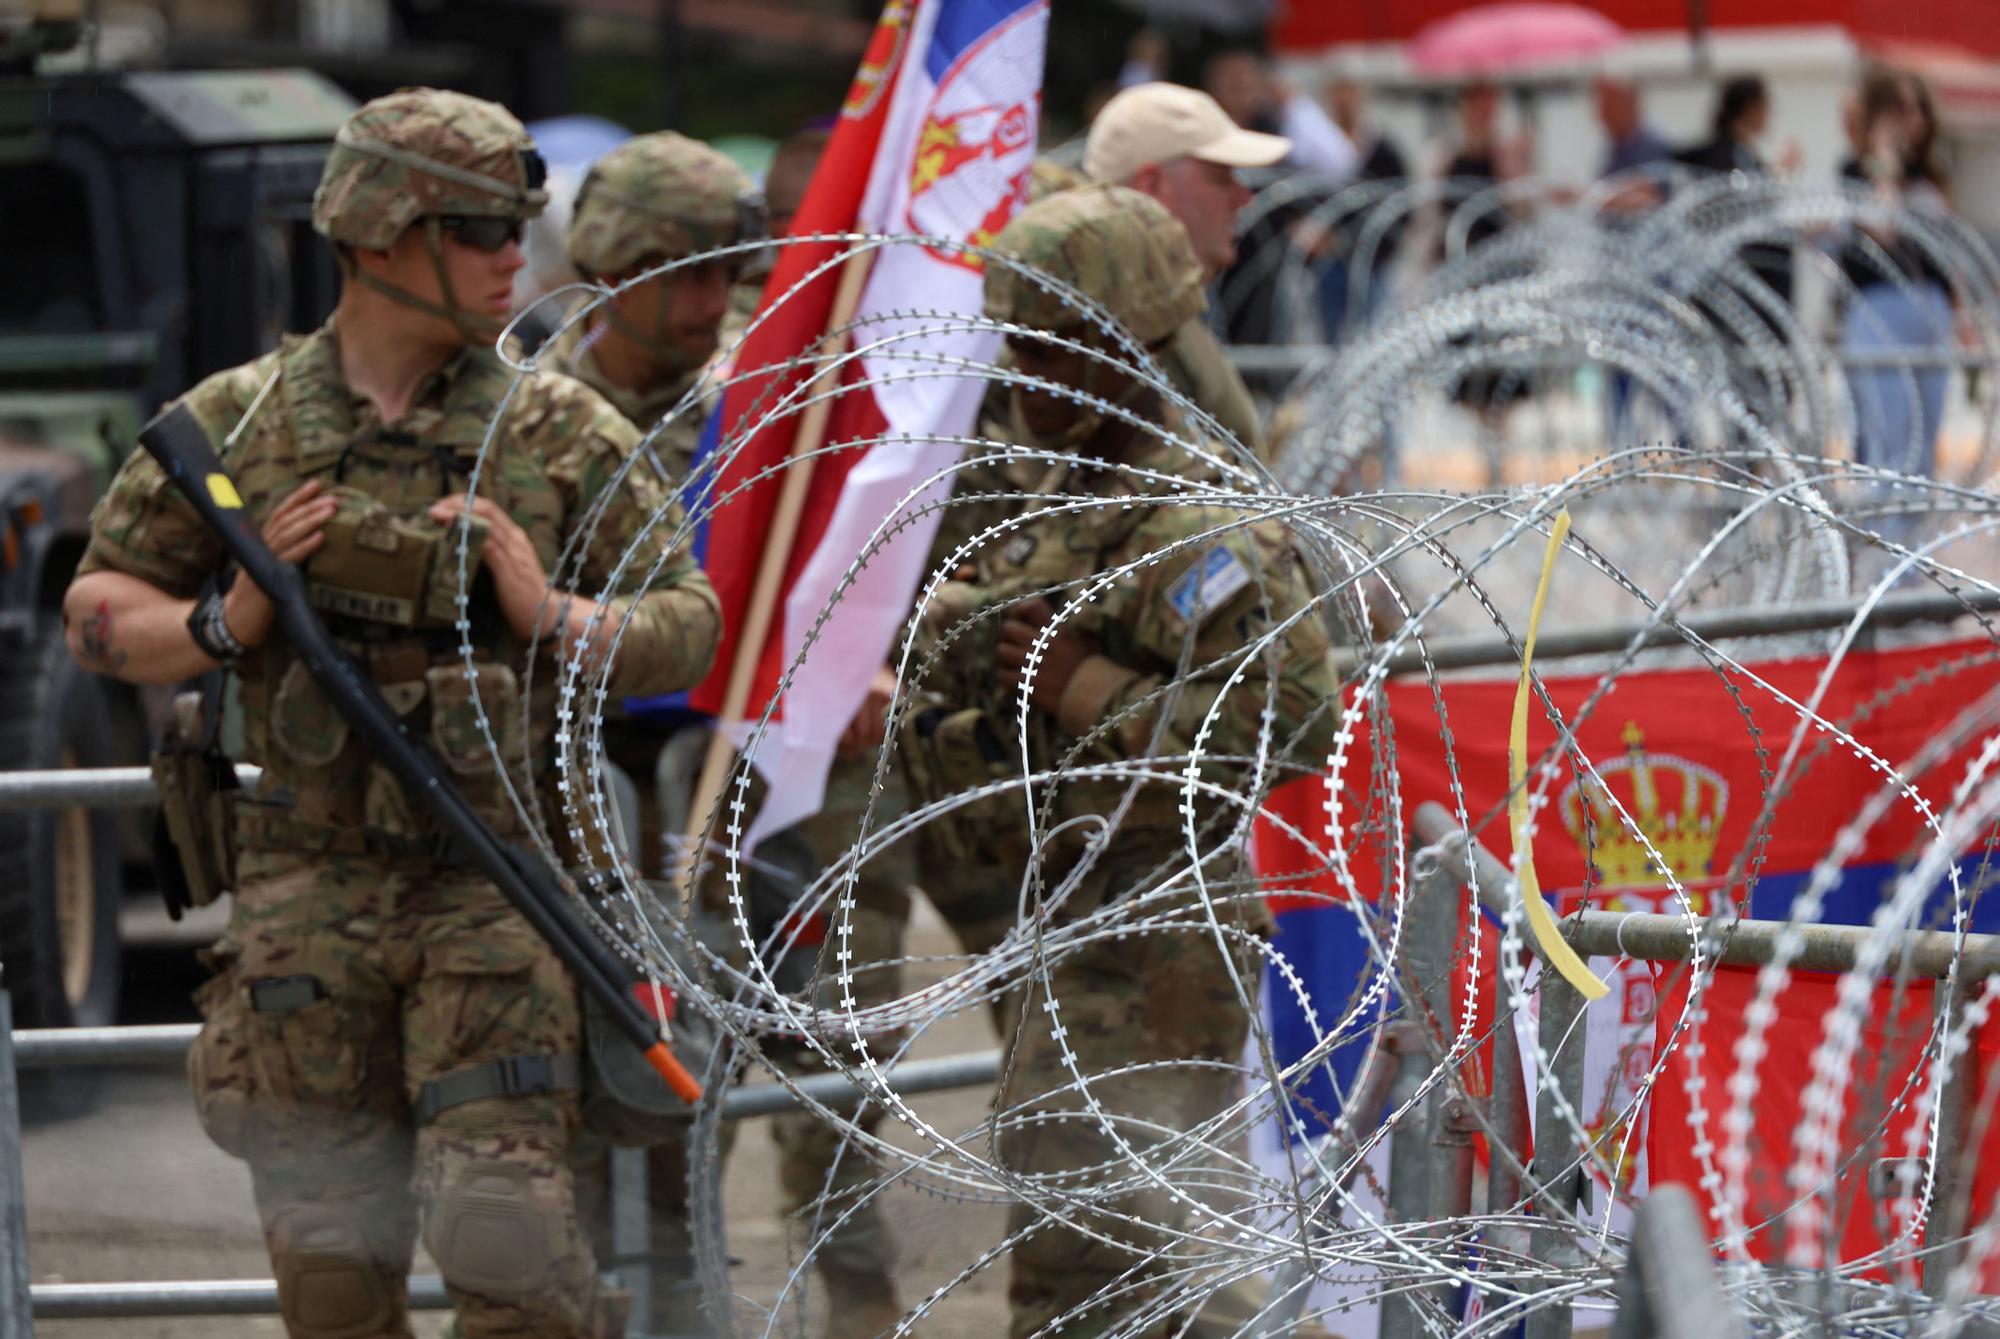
{"x":194,"y":844}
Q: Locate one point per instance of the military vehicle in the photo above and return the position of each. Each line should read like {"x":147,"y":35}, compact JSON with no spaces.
{"x":154,"y":228}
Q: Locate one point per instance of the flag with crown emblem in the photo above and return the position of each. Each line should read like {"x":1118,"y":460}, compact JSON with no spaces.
{"x":1691,"y":757}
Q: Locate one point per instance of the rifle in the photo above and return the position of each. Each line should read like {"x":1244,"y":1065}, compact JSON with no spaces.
{"x":178,"y":442}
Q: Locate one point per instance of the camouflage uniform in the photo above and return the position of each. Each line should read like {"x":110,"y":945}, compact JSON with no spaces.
{"x":811,"y":1160}
{"x":653,"y":199}
{"x":363,"y":962}
{"x":1193,"y":358}
{"x":1163,"y":996}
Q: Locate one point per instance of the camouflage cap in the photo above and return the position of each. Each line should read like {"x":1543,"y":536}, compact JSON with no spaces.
{"x":1116,"y":246}
{"x":656,"y":197}
{"x":420,"y":152}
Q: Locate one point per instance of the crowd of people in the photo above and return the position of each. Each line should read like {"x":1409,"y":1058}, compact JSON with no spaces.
{"x":1477,"y":177}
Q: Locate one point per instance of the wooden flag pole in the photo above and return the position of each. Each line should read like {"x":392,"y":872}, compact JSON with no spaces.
{"x":762,"y":607}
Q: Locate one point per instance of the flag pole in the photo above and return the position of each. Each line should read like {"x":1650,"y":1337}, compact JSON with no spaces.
{"x":763,"y":602}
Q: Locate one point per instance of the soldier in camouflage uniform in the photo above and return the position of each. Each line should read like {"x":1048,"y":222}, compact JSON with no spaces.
{"x":1178,"y":146}
{"x":653,"y":199}
{"x":1132,"y":676}
{"x":384,"y":1036}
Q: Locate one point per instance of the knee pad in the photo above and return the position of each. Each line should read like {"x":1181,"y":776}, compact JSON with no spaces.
{"x":330,"y":1285}
{"x":490,"y":1234}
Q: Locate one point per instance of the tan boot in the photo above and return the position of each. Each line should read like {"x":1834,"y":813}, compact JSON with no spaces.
{"x":859,"y":1306}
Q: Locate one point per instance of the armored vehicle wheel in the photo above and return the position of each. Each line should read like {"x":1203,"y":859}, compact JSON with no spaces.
{"x":60,"y":882}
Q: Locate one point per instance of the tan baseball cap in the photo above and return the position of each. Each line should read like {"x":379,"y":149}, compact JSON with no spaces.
{"x":1157,"y":123}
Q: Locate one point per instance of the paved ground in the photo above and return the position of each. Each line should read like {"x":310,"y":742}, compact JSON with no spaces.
{"x":133,"y":1190}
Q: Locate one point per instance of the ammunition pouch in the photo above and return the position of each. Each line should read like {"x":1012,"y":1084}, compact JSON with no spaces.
{"x":382,"y":565}
{"x":947,"y":753}
{"x":195,"y":780}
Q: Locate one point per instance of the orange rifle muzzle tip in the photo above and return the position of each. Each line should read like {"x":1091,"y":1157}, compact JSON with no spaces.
{"x":684,"y":1084}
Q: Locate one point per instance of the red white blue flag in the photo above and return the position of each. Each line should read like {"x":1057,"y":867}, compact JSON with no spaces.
{"x":936,"y":138}
{"x":1700,"y":761}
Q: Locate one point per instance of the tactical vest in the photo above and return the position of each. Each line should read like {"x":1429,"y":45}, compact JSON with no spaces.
{"x":972,"y":736}
{"x":386,"y":582}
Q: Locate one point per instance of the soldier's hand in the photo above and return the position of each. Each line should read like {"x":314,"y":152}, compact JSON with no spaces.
{"x":871,"y":722}
{"x":294,"y":529}
{"x":1065,"y":649}
{"x":520,"y":582}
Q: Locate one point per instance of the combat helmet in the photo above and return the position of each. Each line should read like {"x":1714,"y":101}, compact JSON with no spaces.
{"x":1118,"y":247}
{"x":421,"y":156}
{"x":658,"y":197}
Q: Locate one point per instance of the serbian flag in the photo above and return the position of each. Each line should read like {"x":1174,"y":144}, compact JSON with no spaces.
{"x":1694,"y":757}
{"x":936,"y":138}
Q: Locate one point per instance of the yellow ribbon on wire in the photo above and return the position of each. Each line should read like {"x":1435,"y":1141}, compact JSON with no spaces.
{"x":1555,"y":950}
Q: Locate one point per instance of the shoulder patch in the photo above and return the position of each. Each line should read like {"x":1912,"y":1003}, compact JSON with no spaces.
{"x":1204,"y":588}
{"x":1019,"y":549}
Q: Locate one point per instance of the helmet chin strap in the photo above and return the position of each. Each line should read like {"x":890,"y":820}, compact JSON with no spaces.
{"x":476,"y":328}
{"x":673,"y":360}
{"x":1089,"y":420}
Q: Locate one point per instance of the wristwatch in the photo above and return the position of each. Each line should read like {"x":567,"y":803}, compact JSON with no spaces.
{"x":210,"y":630}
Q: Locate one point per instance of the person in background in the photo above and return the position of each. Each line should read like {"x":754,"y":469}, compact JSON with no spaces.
{"x":791,"y":171}
{"x":1630,"y":145}
{"x":1476,"y":155}
{"x":1146,"y":57}
{"x":1469,"y":163}
{"x":1902,"y":298}
{"x":785,"y":183}
{"x":1380,"y":160}
{"x":654,"y":199}
{"x":1242,"y":83}
{"x":1377,"y":157}
{"x":1180,"y":147}
{"x":1634,"y":163}
{"x":1251,"y":306}
{"x":1742,"y":117}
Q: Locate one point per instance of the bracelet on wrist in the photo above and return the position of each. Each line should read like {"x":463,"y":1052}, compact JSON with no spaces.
{"x":210,"y":629}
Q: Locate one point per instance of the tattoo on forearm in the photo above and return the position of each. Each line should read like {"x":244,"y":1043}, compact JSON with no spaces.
{"x":95,"y":641}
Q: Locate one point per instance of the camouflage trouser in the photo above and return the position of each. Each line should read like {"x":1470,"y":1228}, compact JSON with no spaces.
{"x":341,"y":987}
{"x":813,"y":1160}
{"x":1122,"y":1002}
{"x":812,"y":1164}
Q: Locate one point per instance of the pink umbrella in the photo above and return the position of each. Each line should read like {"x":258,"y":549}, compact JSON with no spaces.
{"x":1500,"y":39}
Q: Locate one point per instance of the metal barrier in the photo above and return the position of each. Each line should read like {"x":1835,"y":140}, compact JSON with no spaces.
{"x":167,"y":1044}
{"x":1288,"y":360}
{"x":1440,"y":1186}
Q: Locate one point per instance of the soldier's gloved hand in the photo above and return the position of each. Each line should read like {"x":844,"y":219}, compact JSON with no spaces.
{"x":294,"y":528}
{"x":1062,"y":653}
{"x":519,"y":581}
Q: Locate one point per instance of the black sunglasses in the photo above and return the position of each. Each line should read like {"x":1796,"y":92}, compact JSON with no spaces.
{"x":485,"y":233}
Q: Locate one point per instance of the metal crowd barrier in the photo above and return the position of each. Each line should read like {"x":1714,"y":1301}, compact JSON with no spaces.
{"x":70,"y":1048}
{"x":1433,"y":1151}
{"x":1288,"y":360}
